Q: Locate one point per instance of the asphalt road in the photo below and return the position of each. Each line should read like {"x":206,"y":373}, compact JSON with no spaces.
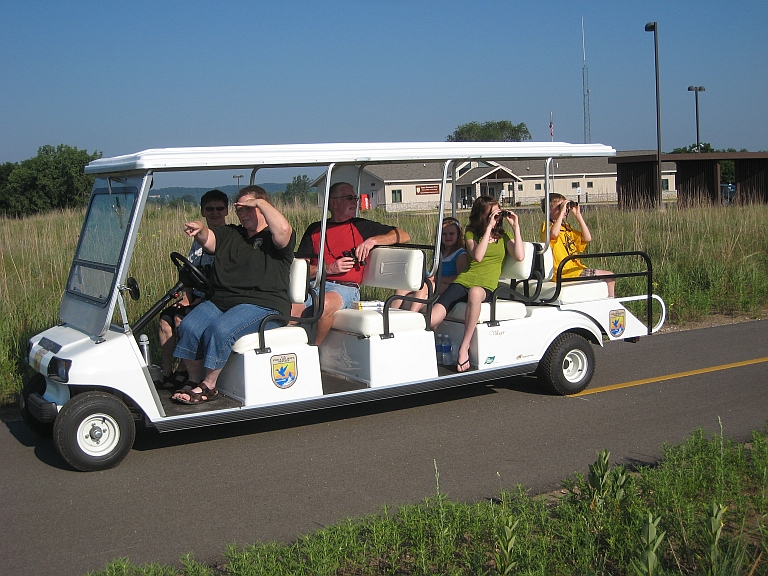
{"x":275,"y":480}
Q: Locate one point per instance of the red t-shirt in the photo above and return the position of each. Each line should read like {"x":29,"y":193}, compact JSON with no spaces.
{"x":340,"y":237}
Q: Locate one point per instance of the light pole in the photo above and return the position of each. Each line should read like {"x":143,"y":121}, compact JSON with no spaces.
{"x":654,"y":27}
{"x":696,"y":90}
{"x":238,"y":176}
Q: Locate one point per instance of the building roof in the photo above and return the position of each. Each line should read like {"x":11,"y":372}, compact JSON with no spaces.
{"x":474,"y":175}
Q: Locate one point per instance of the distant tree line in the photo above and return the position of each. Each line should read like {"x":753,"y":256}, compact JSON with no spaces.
{"x":53,"y":179}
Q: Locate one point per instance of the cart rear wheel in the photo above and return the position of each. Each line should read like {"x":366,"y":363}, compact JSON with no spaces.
{"x":35,"y":384}
{"x":94,"y":431}
{"x":568,"y":364}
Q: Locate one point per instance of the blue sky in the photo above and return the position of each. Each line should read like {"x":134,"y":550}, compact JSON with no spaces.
{"x":120,"y":77}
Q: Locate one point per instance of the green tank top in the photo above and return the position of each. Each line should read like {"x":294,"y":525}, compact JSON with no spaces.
{"x":487,"y":272}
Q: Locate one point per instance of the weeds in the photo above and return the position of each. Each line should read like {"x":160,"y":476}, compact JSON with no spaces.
{"x":599,"y":526}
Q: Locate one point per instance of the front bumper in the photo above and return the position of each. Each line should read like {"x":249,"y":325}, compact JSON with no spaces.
{"x":41,"y":409}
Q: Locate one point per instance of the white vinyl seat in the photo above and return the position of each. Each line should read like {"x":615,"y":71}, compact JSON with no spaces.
{"x":284,"y":335}
{"x":570,"y":292}
{"x":393,"y":268}
{"x":371,"y":322}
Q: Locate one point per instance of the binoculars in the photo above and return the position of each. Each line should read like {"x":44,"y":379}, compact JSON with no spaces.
{"x":353,"y":255}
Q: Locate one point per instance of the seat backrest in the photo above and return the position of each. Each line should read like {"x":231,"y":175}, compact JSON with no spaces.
{"x":394,"y":268}
{"x":297,"y":288}
{"x":521,"y":270}
{"x":544,"y":262}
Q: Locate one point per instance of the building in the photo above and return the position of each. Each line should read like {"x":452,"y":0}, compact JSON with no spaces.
{"x":417,"y":186}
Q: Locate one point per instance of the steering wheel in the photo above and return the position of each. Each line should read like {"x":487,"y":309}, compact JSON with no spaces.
{"x":190,"y":275}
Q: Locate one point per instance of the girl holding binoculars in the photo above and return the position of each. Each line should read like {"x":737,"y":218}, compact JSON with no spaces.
{"x":487,"y":243}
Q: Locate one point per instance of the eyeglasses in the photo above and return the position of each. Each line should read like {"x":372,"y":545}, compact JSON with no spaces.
{"x":215,"y":208}
{"x":349,"y":198}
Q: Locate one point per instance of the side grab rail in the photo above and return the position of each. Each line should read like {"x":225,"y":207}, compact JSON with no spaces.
{"x":648,"y":273}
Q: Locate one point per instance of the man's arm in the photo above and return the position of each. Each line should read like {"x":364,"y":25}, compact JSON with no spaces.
{"x":279,"y":226}
{"x":394,"y":236}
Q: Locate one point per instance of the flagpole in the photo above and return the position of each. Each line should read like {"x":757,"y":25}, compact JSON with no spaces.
{"x":551,"y":128}
{"x":552,"y":139}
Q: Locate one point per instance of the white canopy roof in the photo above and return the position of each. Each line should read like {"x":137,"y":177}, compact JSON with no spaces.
{"x":235,"y":157}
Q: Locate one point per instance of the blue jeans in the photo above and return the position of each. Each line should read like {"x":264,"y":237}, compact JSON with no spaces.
{"x":207,"y":333}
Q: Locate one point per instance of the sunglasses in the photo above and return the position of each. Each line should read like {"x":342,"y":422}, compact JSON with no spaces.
{"x":349,"y":197}
{"x":450,"y":221}
{"x":215,"y":208}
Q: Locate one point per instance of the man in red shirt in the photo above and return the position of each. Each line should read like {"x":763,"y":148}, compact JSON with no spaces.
{"x":348,"y":241}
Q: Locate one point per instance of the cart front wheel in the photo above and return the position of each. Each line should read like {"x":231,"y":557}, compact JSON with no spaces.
{"x":568,"y":364}
{"x":94,"y":431}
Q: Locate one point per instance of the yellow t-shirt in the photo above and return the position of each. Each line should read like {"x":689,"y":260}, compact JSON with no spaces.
{"x":568,"y":242}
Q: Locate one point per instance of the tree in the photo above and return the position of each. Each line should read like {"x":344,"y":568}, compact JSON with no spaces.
{"x":298,"y":189}
{"x":501,"y":131}
{"x":53,"y":179}
{"x":5,"y":171}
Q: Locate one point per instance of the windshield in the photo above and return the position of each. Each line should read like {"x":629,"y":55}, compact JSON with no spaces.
{"x":102,"y":239}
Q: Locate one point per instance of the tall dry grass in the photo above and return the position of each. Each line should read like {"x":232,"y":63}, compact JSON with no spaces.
{"x":706,"y":260}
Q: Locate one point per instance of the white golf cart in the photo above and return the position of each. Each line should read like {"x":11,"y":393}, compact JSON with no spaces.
{"x":94,"y":378}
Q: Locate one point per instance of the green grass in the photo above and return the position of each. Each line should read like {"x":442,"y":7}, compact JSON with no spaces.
{"x":706,"y":260}
{"x":593,"y":526}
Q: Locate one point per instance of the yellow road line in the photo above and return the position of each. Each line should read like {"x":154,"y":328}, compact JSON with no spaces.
{"x":672,"y":376}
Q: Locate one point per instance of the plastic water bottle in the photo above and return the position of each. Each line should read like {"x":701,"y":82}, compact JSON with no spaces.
{"x":439,"y":348}
{"x":447,"y":357}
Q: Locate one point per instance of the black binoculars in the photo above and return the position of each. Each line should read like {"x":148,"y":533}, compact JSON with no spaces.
{"x":353,"y":255}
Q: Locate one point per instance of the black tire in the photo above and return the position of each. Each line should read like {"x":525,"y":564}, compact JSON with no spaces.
{"x":34,"y":384}
{"x":568,"y":364}
{"x":94,"y":431}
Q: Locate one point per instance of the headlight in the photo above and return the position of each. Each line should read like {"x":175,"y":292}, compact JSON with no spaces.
{"x":58,"y":369}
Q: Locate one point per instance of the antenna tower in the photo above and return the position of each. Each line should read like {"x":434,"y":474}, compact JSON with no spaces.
{"x":585,"y":89}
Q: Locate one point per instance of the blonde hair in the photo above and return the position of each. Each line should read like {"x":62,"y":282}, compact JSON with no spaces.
{"x":554,"y":200}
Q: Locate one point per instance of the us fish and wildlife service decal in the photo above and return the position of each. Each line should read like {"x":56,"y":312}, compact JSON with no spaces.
{"x":618,"y":321}
{"x":284,"y":370}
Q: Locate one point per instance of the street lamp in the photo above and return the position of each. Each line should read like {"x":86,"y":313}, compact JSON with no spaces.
{"x":654,"y":27}
{"x":238,"y":176}
{"x":696,"y":90}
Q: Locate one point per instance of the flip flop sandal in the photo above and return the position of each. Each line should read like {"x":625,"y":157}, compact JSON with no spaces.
{"x":463,"y":367}
{"x":205,"y":394}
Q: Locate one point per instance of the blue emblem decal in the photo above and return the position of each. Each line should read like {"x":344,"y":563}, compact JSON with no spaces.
{"x":618,"y":319}
{"x":285,"y":371}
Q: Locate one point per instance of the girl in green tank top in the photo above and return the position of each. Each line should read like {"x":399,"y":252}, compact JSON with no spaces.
{"x":487,"y":244}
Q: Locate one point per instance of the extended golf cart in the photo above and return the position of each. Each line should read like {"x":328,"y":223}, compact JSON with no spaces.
{"x":94,"y":377}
